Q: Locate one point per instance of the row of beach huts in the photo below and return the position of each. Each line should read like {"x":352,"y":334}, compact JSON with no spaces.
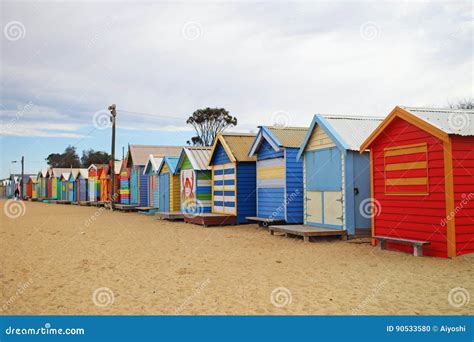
{"x":406,"y":180}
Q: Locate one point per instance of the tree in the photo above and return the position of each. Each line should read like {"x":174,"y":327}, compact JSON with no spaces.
{"x":466,"y":103}
{"x":208,"y":123}
{"x":68,"y":158}
{"x":94,"y":157}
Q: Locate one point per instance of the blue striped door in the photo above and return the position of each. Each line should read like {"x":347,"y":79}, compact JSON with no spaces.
{"x":224,"y":192}
{"x":134,"y":186}
{"x":165,"y":192}
{"x":156,"y":192}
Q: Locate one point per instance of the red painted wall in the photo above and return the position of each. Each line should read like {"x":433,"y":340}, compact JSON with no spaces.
{"x":417,"y":217}
{"x":29,"y":189}
{"x":463,"y":179}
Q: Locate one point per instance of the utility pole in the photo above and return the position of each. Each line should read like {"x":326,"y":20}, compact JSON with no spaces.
{"x":22,"y":175}
{"x":113,"y":114}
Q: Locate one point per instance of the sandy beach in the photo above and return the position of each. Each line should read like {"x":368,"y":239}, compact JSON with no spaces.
{"x":66,"y":259}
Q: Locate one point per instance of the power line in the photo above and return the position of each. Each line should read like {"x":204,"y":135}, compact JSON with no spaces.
{"x":151,"y":115}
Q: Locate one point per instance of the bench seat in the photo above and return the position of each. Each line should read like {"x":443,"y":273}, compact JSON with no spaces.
{"x":417,"y":244}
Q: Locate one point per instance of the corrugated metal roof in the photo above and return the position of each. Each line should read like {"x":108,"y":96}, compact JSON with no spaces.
{"x":289,"y":136}
{"x":140,"y":153}
{"x":65,"y":175}
{"x":34,"y":179}
{"x":239,"y":144}
{"x":451,"y":121}
{"x":198,"y":156}
{"x":118,"y":166}
{"x":155,"y":163}
{"x":353,"y":129}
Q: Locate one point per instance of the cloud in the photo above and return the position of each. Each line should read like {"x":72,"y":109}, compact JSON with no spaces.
{"x":254,"y":59}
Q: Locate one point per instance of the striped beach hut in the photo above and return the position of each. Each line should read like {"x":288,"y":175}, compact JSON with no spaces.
{"x":124,"y":183}
{"x":169,"y":185}
{"x":151,"y":171}
{"x":195,"y":180}
{"x":136,"y":159}
{"x":94,"y":184}
{"x":72,"y":185}
{"x":233,"y":176}
{"x":422,"y":181}
{"x":116,"y":175}
{"x":280,"y":190}
{"x":54,"y":179}
{"x":42,"y":184}
{"x":65,"y":186}
{"x":337,"y":177}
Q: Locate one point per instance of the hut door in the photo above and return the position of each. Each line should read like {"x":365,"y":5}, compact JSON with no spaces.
{"x":91,"y":190}
{"x":324,"y":188}
{"x":165,"y":192}
{"x":224,"y":191}
{"x":156,"y":191}
{"x":134,"y":186}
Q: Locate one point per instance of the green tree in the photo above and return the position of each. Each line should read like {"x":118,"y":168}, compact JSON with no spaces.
{"x":94,"y":157}
{"x":208,"y":123}
{"x":68,"y":158}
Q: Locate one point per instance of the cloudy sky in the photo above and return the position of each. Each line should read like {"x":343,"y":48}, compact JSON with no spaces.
{"x":62,"y":64}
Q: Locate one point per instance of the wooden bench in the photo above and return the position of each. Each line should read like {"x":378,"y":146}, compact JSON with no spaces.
{"x":417,"y":244}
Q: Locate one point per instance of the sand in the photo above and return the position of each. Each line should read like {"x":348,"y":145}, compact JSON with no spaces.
{"x":66,"y":259}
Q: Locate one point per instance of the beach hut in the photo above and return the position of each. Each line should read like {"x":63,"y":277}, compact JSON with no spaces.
{"x":42,"y":184}
{"x":422,"y":181}
{"x":151,"y":171}
{"x":65,"y":186}
{"x":117,"y":167}
{"x":72,"y":185}
{"x":54,"y":175}
{"x":94,"y":183}
{"x":233,"y":177}
{"x":124,"y":184}
{"x":32,"y":188}
{"x":169,"y":185}
{"x":279,"y":174}
{"x":104,"y":183}
{"x":195,"y":181}
{"x":82,"y":182}
{"x":136,"y":159}
{"x":337,"y":177}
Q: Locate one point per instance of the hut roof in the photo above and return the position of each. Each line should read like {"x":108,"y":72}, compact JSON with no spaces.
{"x":279,"y":137}
{"x":347,"y":132}
{"x":198,"y":157}
{"x":236,"y":146}
{"x":152,"y":164}
{"x":57,"y":171}
{"x":138,"y":154}
{"x":439,"y":122}
{"x":171,"y":162}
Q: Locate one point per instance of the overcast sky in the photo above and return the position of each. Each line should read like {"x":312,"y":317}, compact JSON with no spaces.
{"x":62,"y":64}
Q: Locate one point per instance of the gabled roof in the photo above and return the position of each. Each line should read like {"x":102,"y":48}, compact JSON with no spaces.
{"x":95,"y":166}
{"x":347,"y":132}
{"x":33,"y":179}
{"x":138,"y":154}
{"x":236,"y":146}
{"x":438,"y":122}
{"x":84,"y":173}
{"x":198,"y":157}
{"x":65,"y":175}
{"x":171,"y":162}
{"x":57,"y":171}
{"x":278,"y":137}
{"x":152,"y":165}
{"x":117,"y":166}
{"x":42,"y":173}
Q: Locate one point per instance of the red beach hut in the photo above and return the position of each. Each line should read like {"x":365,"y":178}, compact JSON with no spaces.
{"x":422,"y":183}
